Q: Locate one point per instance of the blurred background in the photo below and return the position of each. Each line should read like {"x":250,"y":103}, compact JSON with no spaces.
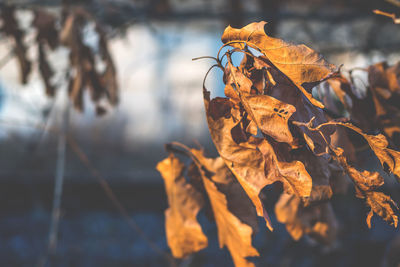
{"x":152,"y":44}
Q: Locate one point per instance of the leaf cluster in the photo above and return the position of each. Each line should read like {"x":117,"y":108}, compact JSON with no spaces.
{"x":269,"y":129}
{"x":90,"y":66}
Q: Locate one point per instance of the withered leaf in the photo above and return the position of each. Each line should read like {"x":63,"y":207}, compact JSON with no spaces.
{"x":381,"y":205}
{"x":253,"y":162}
{"x":298,"y":62}
{"x":83,"y":61}
{"x":232,"y":232}
{"x":11,"y":29}
{"x":378,"y":143}
{"x":293,"y":174}
{"x":45,"y":24}
{"x":245,"y":161}
{"x":46,"y":71}
{"x":367,"y":182}
{"x":268,"y":128}
{"x":269,"y":114}
{"x":184,"y":233}
{"x":379,"y":109}
{"x":318,"y":221}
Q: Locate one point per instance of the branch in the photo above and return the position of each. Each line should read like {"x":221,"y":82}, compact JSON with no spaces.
{"x":58,"y":186}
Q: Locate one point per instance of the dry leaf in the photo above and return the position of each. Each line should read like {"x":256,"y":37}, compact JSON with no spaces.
{"x":319,"y":222}
{"x":221,"y":187}
{"x":367,"y":182}
{"x":298,"y":62}
{"x":234,"y":214}
{"x":184,"y":233}
{"x":11,"y":29}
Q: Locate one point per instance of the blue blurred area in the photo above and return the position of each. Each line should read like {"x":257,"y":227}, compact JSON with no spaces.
{"x":104,"y":238}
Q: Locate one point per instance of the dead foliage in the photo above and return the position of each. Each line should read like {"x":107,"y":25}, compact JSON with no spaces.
{"x":270,"y":129}
{"x":91,"y":66}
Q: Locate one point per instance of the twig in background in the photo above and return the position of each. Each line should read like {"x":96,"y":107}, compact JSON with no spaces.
{"x":104,"y":185}
{"x":58,"y":185}
{"x":110,"y":194}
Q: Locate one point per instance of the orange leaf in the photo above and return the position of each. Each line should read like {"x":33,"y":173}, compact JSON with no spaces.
{"x":298,"y":62}
{"x":184,"y":233}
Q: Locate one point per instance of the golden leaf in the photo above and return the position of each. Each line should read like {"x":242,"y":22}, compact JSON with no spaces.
{"x":184,"y":233}
{"x":298,"y":62}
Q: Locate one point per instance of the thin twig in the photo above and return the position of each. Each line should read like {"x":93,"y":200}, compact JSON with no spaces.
{"x":204,"y":57}
{"x":110,"y":194}
{"x":58,"y":186}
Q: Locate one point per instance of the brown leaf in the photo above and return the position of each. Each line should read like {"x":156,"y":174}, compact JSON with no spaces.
{"x":83,"y":61}
{"x":46,"y":71}
{"x":378,"y":143}
{"x":184,"y":233}
{"x":379,"y":109}
{"x":45,"y":24}
{"x":238,"y":202}
{"x":109,"y":76}
{"x":253,"y":161}
{"x":298,"y":62}
{"x":319,"y":222}
{"x":367,"y":182}
{"x":285,"y":91}
{"x":318,"y":169}
{"x":232,"y":232}
{"x":292,"y":174}
{"x":381,"y":204}
{"x":11,"y":29}
{"x":269,"y":114}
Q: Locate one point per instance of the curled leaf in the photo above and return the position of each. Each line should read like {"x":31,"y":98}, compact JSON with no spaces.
{"x":184,"y":233}
{"x":298,"y":62}
{"x":233,"y":233}
{"x":319,"y":222}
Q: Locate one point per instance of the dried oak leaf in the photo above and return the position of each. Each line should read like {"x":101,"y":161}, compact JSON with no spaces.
{"x":252,"y":160}
{"x":11,"y":29}
{"x":84,"y":62}
{"x":302,"y":65}
{"x":46,"y":72}
{"x":318,"y":169}
{"x":282,"y":92}
{"x":45,"y":24}
{"x":381,"y":205}
{"x":286,"y":91}
{"x":109,"y":76}
{"x":269,"y":114}
{"x":184,"y":233}
{"x":378,"y":143}
{"x":366,"y":182}
{"x":379,"y":109}
{"x":47,"y":34}
{"x":384,"y":86}
{"x":222,"y":188}
{"x":318,"y":221}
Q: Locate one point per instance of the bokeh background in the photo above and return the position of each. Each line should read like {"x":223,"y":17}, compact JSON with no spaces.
{"x":152,"y":43}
